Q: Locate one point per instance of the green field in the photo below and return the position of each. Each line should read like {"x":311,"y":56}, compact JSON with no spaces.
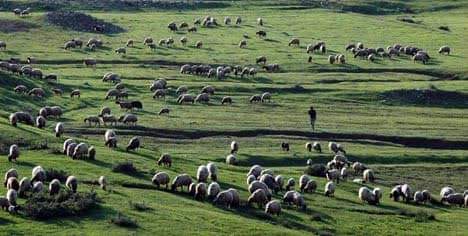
{"x":407,"y":121}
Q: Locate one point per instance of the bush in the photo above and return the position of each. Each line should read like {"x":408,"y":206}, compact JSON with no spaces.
{"x":43,"y":206}
{"x":124,"y":167}
{"x":316,"y":170}
{"x":445,"y":28}
{"x":56,"y":174}
{"x":124,"y":221}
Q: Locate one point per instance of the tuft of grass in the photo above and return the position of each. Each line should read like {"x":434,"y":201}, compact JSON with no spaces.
{"x":124,"y":221}
{"x":139,"y":206}
{"x":124,"y":167}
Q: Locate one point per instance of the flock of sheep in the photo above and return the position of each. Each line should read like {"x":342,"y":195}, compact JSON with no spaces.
{"x":262,"y":183}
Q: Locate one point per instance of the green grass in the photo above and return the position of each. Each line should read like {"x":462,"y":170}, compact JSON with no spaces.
{"x":349,"y":100}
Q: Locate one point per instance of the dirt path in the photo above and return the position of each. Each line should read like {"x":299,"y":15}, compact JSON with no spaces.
{"x":413,"y":142}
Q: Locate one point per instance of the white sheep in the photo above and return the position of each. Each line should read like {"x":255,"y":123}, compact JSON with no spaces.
{"x":81,"y":151}
{"x":259,"y":185}
{"x":368,"y":175}
{"x":14,"y":152}
{"x":213,"y":190}
{"x":24,"y":186}
{"x":202,"y":174}
{"x":59,"y":129}
{"x":38,"y":174}
{"x":66,"y":143}
{"x":446,"y":191}
{"x":235,"y":197}
{"x":454,"y":199}
{"x":72,"y":183}
{"x":250,"y":179}
{"x":255,"y":170}
{"x":224,"y":198}
{"x":54,"y":187}
{"x":212,"y":170}
{"x":102,"y":181}
{"x":406,"y":192}
{"x":279,"y":179}
{"x":290,"y":184}
{"x":10,"y":173}
{"x":181,"y":181}
{"x":161,"y":178}
{"x":259,"y":197}
{"x":330,"y":189}
{"x":231,"y":159}
{"x":234,"y":147}
{"x":273,"y":207}
{"x":366,"y":195}
{"x":11,"y":196}
{"x":200,"y":191}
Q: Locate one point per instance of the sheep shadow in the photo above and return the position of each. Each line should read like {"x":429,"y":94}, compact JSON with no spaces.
{"x":271,"y":40}
{"x":268,"y":161}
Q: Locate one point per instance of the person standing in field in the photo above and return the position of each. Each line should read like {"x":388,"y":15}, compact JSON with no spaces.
{"x":313,"y":117}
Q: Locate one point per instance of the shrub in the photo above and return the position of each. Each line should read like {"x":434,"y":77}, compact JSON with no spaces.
{"x":139,"y":206}
{"x":56,"y":174}
{"x":444,"y":27}
{"x":43,"y":206}
{"x":124,"y":221}
{"x":124,"y":167}
{"x":316,"y":170}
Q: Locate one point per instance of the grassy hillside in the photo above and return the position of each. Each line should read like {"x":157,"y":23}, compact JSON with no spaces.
{"x":405,"y":120}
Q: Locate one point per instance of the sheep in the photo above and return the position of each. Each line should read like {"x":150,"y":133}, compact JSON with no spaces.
{"x":250,"y":179}
{"x":238,"y":20}
{"x":303,"y":180}
{"x":270,"y":181}
{"x":299,"y":201}
{"x":333,"y":147}
{"x":129,"y":119}
{"x":57,"y":91}
{"x":213,"y":190}
{"x":279,"y":179}
{"x":125,"y":105}
{"x":109,"y":119}
{"x":396,"y":192}
{"x":111,"y":77}
{"x":446,"y":191}
{"x":181,"y":90}
{"x":255,"y":98}
{"x":243,"y":44}
{"x":37,"y":92}
{"x":112,"y":93}
{"x":37,"y":187}
{"x":231,"y":159}
{"x":70,"y":149}
{"x":102,"y":182}
{"x":4,"y":203}
{"x":147,"y":40}
{"x":331,"y":59}
{"x":444,"y":49}
{"x":89,"y":62}
{"x":185,"y":98}
{"x":212,"y":171}
{"x":419,"y":197}
{"x":261,"y":34}
{"x":80,"y":151}
{"x":227,"y":100}
{"x":200,"y":191}
{"x":255,"y":170}
{"x":202,"y":174}
{"x":202,"y":98}
{"x":224,"y":198}
{"x":358,"y":167}
{"x":285,"y":146}
{"x":92,"y":153}
{"x":92,"y":120}
{"x":290,"y":184}
{"x":72,"y":183}
{"x":406,"y":192}
{"x":11,"y":196}
{"x":199,"y":44}
{"x":181,"y":181}
{"x":420,"y":57}
{"x":66,"y":143}
{"x":344,"y":173}
{"x":13,"y":153}
{"x":288,"y":197}
{"x":165,"y":160}
{"x":466,"y":201}
{"x":69,"y":44}
{"x":161,"y":178}
{"x":40,"y":122}
{"x":20,"y":89}
{"x":208,"y":89}
{"x":192,"y":29}
{"x":266,"y":97}
{"x":294,"y":41}
{"x":104,"y":111}
{"x":259,"y":197}
{"x":266,"y":171}
{"x":260,"y":21}
{"x":21,"y":117}
{"x":54,"y":187}
{"x":24,"y":186}
{"x":234,"y":147}
{"x":110,"y":138}
{"x":12,"y":183}
{"x":133,"y":144}
{"x":55,"y":111}
{"x":454,"y":199}
{"x":368,"y":176}
{"x":340,"y":58}
{"x":366,"y":195}
{"x":129,"y":43}
{"x":75,"y":93}
{"x":259,"y":185}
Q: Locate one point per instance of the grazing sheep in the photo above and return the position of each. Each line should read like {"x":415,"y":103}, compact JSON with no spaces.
{"x":102,"y":182}
{"x":368,"y":176}
{"x":200,"y":191}
{"x":40,"y":122}
{"x":12,"y":183}
{"x":66,"y":143}
{"x":285,"y":146}
{"x":303,"y":180}
{"x":231,"y":159}
{"x":185,"y":98}
{"x":148,"y":40}
{"x":259,"y":197}
{"x":255,"y":170}
{"x":165,"y":160}
{"x":161,"y":178}
{"x":213,"y":190}
{"x":21,"y":89}
{"x":333,"y":175}
{"x":10,"y":173}
{"x":243,"y":44}
{"x":270,"y":181}
{"x":37,"y":92}
{"x":259,"y":185}
{"x":420,"y":57}
{"x":202,"y":174}
{"x":69,"y":44}
{"x":238,"y":20}
{"x":159,"y":93}
{"x":3,"y":45}
{"x":121,"y":50}
{"x":208,"y":89}
{"x":212,"y":171}
{"x":224,"y":198}
{"x":24,"y":186}
{"x":255,"y":98}
{"x":271,"y":68}
{"x":109,"y":119}
{"x":80,"y":151}
{"x":54,"y":187}
{"x":331,"y":59}
{"x":299,"y":201}
{"x":418,"y":197}
{"x":72,"y":183}
{"x":164,"y":111}
{"x":4,"y":204}
{"x":199,"y":44}
{"x":181,"y":181}
{"x":183,"y":40}
{"x":70,"y":148}
{"x":104,"y":111}
{"x":75,"y":93}
{"x":341,"y":59}
{"x":234,"y":147}
{"x":266,"y":97}
{"x":181,"y":90}
{"x":294,"y":41}
{"x":235,"y":198}
{"x":111,"y":77}
{"x":129,"y":43}
{"x":454,"y":199}
{"x":444,"y":49}
{"x":13,"y":153}
{"x":192,"y":29}
{"x":250,"y":179}
{"x":133,"y":144}
{"x":92,"y":153}
{"x":89,"y":62}
{"x":92,"y":120}
{"x":446,"y":191}
{"x":358,"y":167}
{"x":406,"y":192}
{"x":366,"y":195}
{"x":21,"y":117}
{"x":396,"y":192}
{"x":260,"y":21}
{"x":227,"y":100}
{"x":330,"y":189}
{"x":261,"y":34}
{"x":227,"y":20}
{"x":202,"y":98}
{"x":279,"y":179}
{"x":129,"y":119}
{"x":37,"y":187}
{"x":290,"y":184}
{"x":57,"y":91}
{"x":11,"y":196}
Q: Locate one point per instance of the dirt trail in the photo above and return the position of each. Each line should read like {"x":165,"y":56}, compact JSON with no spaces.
{"x":413,"y":142}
